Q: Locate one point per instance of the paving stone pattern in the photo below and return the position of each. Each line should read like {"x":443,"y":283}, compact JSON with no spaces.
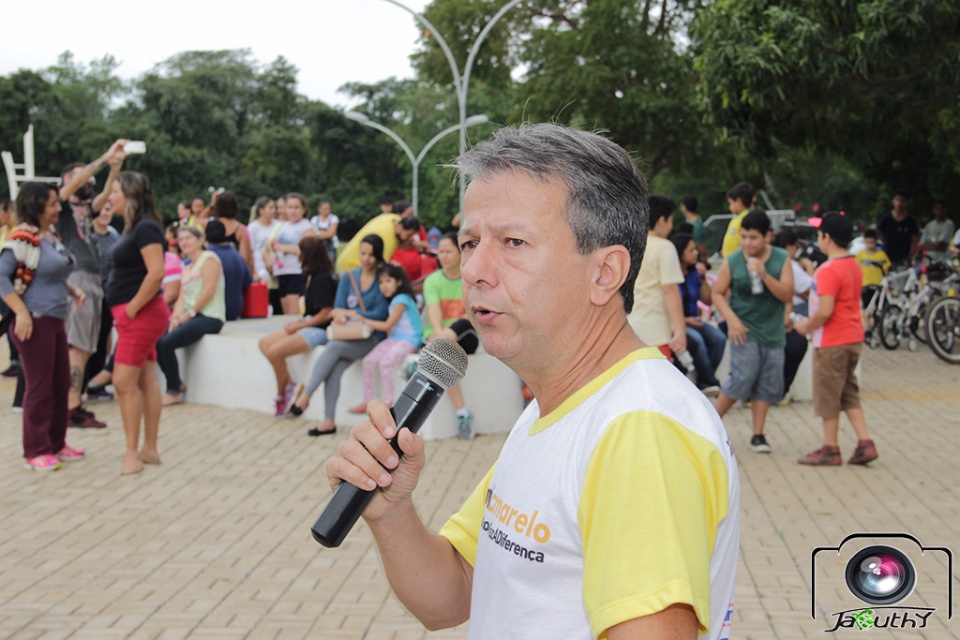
{"x":214,"y":543}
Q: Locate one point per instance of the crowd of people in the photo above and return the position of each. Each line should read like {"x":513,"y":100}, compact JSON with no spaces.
{"x":391,"y":291}
{"x":161,"y":289}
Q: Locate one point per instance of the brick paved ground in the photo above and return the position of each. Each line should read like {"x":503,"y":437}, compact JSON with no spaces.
{"x":214,"y":543}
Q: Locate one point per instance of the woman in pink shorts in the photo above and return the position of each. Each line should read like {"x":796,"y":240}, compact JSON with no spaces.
{"x":140,"y":316}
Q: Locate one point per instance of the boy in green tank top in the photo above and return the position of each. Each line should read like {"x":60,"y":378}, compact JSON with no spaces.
{"x":753,"y":293}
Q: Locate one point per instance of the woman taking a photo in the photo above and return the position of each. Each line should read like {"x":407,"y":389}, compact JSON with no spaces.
{"x":200,"y":309}
{"x":34,"y":266}
{"x":358,"y":294}
{"x":140,"y":316}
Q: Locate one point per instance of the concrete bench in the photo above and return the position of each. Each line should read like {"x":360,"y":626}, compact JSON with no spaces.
{"x":228,"y":370}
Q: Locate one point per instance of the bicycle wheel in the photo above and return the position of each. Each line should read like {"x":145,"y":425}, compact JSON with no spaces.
{"x":943,"y":329}
{"x":890,"y":326}
{"x":918,"y":323}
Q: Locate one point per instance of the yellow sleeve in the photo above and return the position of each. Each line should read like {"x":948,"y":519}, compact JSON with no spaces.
{"x":653,"y":497}
{"x":383,"y":226}
{"x":463,"y":527}
{"x":731,"y":239}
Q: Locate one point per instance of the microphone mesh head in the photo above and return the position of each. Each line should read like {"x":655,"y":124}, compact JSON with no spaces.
{"x":443,"y":360}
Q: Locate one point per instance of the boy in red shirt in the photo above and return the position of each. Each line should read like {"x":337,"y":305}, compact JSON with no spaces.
{"x":837,"y":331}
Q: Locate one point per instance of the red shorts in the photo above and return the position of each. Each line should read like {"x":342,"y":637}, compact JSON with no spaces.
{"x":137,"y":338}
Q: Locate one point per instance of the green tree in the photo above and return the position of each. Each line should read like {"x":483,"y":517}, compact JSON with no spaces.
{"x":613,"y":65}
{"x":874,"y":82}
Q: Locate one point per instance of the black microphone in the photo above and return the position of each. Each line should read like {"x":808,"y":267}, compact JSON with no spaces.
{"x":442,"y":364}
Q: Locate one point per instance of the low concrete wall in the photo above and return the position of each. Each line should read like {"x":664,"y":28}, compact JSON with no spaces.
{"x":228,"y":370}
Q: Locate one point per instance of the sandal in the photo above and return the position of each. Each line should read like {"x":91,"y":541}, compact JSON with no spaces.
{"x":171,"y":399}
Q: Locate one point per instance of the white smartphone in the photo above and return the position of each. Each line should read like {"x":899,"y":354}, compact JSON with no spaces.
{"x":135,"y":146}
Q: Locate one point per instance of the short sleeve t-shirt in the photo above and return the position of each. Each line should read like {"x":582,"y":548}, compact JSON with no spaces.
{"x":319,"y":293}
{"x":129,"y":269}
{"x":897,"y":235}
{"x":441,"y":290}
{"x":731,"y":239}
{"x":840,"y":278}
{"x":561,"y":550}
{"x":873,"y":274}
{"x":936,"y":231}
{"x":286,"y":264}
{"x":408,"y":328}
{"x":660,"y":267}
{"x":385,"y":226}
{"x":259,"y":236}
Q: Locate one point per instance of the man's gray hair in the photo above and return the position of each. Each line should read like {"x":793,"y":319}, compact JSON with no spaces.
{"x":606,"y":193}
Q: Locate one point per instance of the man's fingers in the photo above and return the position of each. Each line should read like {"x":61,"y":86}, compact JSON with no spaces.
{"x":340,"y":470}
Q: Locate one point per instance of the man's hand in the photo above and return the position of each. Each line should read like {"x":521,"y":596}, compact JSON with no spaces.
{"x":366,"y":460}
{"x":678,"y":343}
{"x":756,"y":265}
{"x":737,"y":331}
{"x":802,"y":327}
{"x":694,"y":322}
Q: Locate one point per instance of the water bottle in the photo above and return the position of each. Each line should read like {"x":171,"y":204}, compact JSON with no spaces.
{"x":756,"y":282}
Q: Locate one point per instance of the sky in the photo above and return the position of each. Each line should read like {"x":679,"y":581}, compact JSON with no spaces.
{"x":331,"y":42}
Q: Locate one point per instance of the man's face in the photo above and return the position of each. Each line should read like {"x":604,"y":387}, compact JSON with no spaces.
{"x":663,"y":226}
{"x":752,"y":242}
{"x":899,"y":203}
{"x":735,"y":206}
{"x":525,"y":287}
{"x":939,"y":212}
{"x":405,"y":234}
{"x":870,"y":244}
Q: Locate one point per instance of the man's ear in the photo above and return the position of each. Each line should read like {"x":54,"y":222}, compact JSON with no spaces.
{"x":611,"y":266}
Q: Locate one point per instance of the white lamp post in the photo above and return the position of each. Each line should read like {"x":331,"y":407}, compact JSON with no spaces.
{"x":415,"y":159}
{"x":460,"y":82}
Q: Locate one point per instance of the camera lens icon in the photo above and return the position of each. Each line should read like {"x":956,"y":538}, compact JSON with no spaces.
{"x":880,"y":575}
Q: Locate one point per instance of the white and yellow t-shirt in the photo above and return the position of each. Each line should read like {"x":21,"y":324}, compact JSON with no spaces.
{"x":621,"y":502}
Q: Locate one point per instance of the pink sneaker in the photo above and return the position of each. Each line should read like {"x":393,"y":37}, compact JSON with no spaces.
{"x":69,"y":454}
{"x":42,"y":463}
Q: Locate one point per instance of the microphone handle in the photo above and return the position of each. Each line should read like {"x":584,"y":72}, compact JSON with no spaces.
{"x":348,"y":503}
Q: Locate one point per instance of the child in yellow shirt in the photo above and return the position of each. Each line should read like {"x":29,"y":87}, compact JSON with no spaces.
{"x":874,"y":263}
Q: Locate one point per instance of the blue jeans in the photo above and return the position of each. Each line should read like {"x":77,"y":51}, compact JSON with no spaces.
{"x":186,"y":334}
{"x":706,"y":345}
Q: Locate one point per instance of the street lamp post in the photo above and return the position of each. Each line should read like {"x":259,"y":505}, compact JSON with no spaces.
{"x":460,"y":82}
{"x":415,"y":160}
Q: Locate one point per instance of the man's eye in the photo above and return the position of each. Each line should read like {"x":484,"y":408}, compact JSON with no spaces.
{"x":515,"y":242}
{"x":467,"y":244}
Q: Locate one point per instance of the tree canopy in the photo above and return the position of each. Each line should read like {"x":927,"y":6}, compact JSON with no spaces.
{"x":828,"y":101}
